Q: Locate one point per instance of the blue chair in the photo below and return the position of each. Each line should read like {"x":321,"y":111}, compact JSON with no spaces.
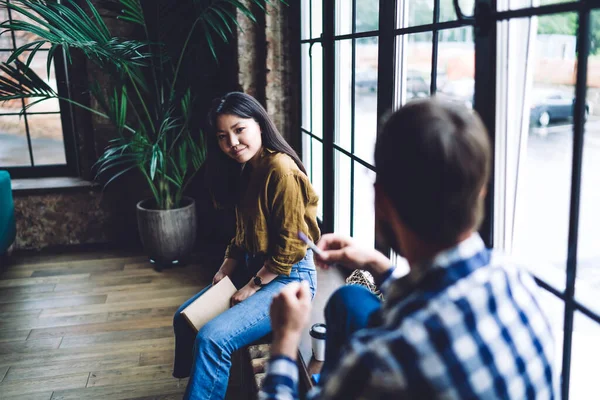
{"x":8,"y":228}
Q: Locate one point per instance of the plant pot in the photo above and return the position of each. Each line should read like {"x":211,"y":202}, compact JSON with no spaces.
{"x":168,"y":236}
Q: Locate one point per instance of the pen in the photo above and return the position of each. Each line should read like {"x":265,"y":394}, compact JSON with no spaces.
{"x":310,"y":243}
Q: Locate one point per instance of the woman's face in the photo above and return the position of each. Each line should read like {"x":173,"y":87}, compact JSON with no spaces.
{"x":239,"y":138}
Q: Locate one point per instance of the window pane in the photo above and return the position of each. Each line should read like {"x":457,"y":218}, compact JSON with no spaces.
{"x":447,"y":12}
{"x":46,"y":139}
{"x":307,"y":155}
{"x":413,"y":78}
{"x":317,"y":90}
{"x":365,"y":122}
{"x":306,"y":87}
{"x":21,"y":37}
{"x":305,"y":19}
{"x":545,"y":150}
{"x":554,"y":309}
{"x":316,"y":21}
{"x":6,"y":42}
{"x":343,"y":17}
{"x":10,"y":106}
{"x":364,"y":206}
{"x":38,"y":65}
{"x":317,"y":173}
{"x":13,"y":142}
{"x":342,"y":194}
{"x":585,"y":353}
{"x":456,"y":66}
{"x":416,"y":12}
{"x":516,"y":4}
{"x":367,"y":15}
{"x":588,"y":250}
{"x":343,"y":93}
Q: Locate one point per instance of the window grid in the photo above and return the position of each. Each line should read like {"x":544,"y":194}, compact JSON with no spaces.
{"x":65,"y":115}
{"x":484,"y":24}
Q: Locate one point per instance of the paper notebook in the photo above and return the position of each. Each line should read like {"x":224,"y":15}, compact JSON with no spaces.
{"x":212,"y":303}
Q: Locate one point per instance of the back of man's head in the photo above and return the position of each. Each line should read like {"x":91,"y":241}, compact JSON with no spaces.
{"x":433,"y":160}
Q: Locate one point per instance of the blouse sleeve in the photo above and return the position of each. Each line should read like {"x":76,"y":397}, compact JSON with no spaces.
{"x":288,"y":197}
{"x":234,"y":251}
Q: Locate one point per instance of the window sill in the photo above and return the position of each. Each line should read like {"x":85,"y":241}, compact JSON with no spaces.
{"x":51,"y":185}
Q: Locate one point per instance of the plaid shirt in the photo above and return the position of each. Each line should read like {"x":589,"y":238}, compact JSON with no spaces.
{"x":467,"y":325}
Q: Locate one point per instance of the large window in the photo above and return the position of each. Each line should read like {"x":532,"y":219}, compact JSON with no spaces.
{"x":33,"y":143}
{"x":531,"y":70}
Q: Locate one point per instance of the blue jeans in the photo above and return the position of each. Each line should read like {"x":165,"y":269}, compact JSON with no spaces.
{"x":206,"y":356}
{"x":348,"y":310}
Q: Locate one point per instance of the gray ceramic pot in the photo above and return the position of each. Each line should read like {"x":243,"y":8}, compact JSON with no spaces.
{"x":168,"y":236}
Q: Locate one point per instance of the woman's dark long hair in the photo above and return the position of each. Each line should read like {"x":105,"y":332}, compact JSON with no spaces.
{"x":223,"y":173}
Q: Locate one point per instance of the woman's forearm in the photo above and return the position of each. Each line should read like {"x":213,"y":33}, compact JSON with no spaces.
{"x":265,"y":275}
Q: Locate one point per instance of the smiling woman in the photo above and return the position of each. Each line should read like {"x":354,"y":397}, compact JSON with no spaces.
{"x":252,"y":168}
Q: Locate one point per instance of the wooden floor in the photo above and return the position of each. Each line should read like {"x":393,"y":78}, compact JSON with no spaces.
{"x":91,"y":326}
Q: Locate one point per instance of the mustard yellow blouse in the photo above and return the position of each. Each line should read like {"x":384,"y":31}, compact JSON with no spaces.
{"x":279,"y":201}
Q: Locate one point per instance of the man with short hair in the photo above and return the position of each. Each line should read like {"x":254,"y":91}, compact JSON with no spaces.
{"x":463,"y":323}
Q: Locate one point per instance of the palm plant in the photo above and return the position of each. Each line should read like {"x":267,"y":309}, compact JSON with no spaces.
{"x":149,"y":107}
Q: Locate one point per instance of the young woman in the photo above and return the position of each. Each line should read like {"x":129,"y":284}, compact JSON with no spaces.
{"x":251,"y":167}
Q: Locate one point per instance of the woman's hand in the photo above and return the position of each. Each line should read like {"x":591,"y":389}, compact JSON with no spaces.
{"x":243,"y":293}
{"x":226,"y":269}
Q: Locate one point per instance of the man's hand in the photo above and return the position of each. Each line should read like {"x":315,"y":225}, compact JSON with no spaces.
{"x":290,"y":312}
{"x":243,"y":293}
{"x":343,"y":251}
{"x":226,"y":270}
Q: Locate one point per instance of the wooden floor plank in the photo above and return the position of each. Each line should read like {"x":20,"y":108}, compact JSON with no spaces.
{"x":78,"y":269}
{"x":122,"y":392}
{"x":61,"y":302}
{"x":69,"y":367}
{"x":80,"y":353}
{"x":134,"y":315}
{"x":11,"y":335}
{"x":130,"y":375}
{"x":155,"y":294}
{"x":16,"y":274}
{"x":157,"y":357}
{"x":90,"y":285}
{"x":44,"y":385}
{"x":28,"y":346}
{"x":34,"y":321}
{"x":30,"y":396}
{"x":3,"y":371}
{"x":47,"y":296}
{"x":43,"y":260}
{"x":9,"y":283}
{"x":113,"y":307}
{"x":116,"y":337}
{"x":89,"y":329}
{"x":8,"y":293}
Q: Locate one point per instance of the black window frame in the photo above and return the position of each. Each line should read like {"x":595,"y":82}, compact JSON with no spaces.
{"x":484,"y":22}
{"x":70,"y":168}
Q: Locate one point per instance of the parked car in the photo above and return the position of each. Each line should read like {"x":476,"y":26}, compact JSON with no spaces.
{"x":416,"y":86}
{"x":550,"y":105}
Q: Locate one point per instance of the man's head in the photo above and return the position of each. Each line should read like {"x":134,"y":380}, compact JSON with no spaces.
{"x":433,"y":161}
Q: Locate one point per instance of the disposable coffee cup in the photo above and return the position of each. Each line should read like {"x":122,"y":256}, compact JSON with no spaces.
{"x":318,"y":333}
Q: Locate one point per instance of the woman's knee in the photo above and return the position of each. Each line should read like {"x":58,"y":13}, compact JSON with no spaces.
{"x":212,"y":335}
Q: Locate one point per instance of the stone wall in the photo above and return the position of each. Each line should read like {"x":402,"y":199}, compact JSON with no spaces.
{"x":57,"y":219}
